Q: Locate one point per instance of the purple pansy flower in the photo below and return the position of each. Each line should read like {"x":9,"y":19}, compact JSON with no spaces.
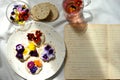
{"x":20,"y":48}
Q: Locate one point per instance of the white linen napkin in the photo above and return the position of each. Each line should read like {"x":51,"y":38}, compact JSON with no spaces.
{"x":103,"y":11}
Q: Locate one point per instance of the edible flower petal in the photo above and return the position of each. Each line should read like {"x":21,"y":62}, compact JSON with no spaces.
{"x":30,"y":64}
{"x":33,"y":69}
{"x":19,"y":48}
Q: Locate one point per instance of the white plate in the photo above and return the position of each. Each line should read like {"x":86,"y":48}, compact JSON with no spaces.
{"x":52,"y":37}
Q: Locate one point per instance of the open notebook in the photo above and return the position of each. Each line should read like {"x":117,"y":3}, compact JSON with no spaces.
{"x":94,"y":54}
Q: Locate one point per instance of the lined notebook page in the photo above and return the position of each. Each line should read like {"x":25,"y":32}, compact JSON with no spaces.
{"x":114,"y":51}
{"x":87,"y":53}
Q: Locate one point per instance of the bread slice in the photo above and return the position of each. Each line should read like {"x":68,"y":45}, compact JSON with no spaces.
{"x":40,"y":11}
{"x":33,"y":13}
{"x":54,"y":14}
{"x":44,"y":12}
{"x":39,"y":67}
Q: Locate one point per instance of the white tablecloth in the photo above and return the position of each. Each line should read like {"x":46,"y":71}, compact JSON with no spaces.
{"x":103,"y":12}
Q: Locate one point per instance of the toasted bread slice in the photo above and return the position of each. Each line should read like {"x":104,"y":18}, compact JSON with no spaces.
{"x":54,"y":14}
{"x":40,"y":11}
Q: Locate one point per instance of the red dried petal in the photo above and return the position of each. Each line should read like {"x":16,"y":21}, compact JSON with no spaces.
{"x":38,"y":33}
{"x":26,"y":16}
{"x":78,"y":3}
{"x":37,"y":39}
{"x":30,"y":36}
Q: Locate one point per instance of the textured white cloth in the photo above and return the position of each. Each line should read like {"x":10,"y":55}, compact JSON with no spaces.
{"x":103,"y":12}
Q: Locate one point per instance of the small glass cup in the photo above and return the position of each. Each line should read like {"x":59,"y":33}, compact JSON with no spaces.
{"x":74,"y":10}
{"x":18,"y":13}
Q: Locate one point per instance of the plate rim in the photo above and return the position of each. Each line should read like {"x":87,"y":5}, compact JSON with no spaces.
{"x":50,"y":27}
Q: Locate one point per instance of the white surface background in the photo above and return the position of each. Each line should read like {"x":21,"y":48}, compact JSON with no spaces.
{"x":103,"y":12}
